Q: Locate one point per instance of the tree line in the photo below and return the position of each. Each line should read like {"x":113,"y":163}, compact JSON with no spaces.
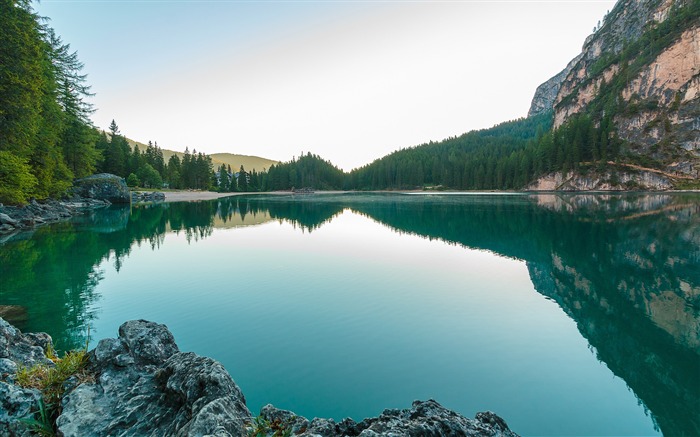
{"x":148,"y":169}
{"x":46,"y":136}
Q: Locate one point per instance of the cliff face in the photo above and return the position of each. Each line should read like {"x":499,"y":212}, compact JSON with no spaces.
{"x":642,"y":69}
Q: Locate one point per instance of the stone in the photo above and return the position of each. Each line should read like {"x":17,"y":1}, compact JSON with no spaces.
{"x":145,"y":386}
{"x":25,"y":349}
{"x":16,"y":403}
{"x":103,"y":186}
{"x":424,"y":418}
{"x":7,"y":220}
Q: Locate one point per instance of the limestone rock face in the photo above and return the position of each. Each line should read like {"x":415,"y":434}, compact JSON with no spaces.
{"x":103,"y":186}
{"x":605,"y":181}
{"x":546,"y":94}
{"x":659,"y":100}
{"x":145,"y":386}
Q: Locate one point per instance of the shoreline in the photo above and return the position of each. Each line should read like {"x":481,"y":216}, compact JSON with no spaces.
{"x":195,"y":196}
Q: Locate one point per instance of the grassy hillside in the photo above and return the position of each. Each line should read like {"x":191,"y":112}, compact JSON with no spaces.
{"x":235,"y":161}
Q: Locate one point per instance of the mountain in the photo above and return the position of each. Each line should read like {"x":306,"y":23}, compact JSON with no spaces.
{"x":640,"y":70}
{"x":248,"y":162}
{"x":235,"y":161}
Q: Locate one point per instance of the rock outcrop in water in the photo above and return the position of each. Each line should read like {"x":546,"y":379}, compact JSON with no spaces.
{"x":143,"y":385}
{"x":103,"y":186}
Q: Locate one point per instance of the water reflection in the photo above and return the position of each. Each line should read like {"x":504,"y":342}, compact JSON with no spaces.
{"x":626,"y":268}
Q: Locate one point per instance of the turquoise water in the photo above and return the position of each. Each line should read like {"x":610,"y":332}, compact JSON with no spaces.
{"x":567,"y":315}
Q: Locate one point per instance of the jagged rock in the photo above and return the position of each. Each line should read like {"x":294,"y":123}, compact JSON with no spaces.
{"x":154,"y":196}
{"x":424,"y":418}
{"x":546,"y":94}
{"x":13,"y":218}
{"x":103,"y":186}
{"x":24,"y":349}
{"x":17,"y":349}
{"x":16,"y":403}
{"x":145,"y":386}
{"x":7,"y":220}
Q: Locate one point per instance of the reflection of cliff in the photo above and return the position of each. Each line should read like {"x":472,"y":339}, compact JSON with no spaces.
{"x":625,"y":268}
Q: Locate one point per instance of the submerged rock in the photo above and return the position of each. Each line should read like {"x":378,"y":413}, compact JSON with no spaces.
{"x":143,"y":385}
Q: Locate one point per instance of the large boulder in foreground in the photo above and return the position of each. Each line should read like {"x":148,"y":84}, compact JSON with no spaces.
{"x":103,"y":186}
{"x":143,"y":385}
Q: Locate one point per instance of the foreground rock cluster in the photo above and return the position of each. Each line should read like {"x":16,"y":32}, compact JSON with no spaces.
{"x":143,"y":385}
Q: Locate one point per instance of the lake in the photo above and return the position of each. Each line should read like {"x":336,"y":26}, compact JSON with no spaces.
{"x":564,"y":314}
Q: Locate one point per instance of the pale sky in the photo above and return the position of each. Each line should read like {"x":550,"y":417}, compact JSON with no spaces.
{"x":348,"y":80}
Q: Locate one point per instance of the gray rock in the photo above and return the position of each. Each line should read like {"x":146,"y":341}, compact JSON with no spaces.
{"x":424,"y":418}
{"x":25,"y":349}
{"x":146,"y":387}
{"x":16,"y":403}
{"x":7,"y":220}
{"x":103,"y":186}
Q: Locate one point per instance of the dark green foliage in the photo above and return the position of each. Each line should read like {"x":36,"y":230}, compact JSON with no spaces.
{"x":503,"y":157}
{"x":193,"y":171}
{"x":133,"y":180}
{"x":43,"y":109}
{"x":149,"y":176}
{"x":16,"y":179}
{"x":308,"y":171}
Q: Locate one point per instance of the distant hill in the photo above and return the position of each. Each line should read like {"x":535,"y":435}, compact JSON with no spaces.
{"x":248,"y":162}
{"x":235,"y":161}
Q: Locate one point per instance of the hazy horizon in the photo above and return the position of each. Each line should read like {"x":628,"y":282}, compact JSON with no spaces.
{"x":349,"y":81}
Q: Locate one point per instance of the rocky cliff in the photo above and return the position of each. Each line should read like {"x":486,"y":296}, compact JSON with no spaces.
{"x":641,"y":70}
{"x":141,"y":384}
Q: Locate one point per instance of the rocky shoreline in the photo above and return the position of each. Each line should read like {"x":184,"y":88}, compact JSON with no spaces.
{"x":141,"y":384}
{"x":93,"y":192}
{"x":21,"y":218}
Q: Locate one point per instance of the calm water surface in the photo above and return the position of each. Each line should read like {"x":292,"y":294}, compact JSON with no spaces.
{"x":567,"y":315}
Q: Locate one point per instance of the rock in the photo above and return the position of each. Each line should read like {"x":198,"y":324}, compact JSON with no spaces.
{"x":154,"y":196}
{"x":25,"y":349}
{"x":7,"y":220}
{"x":103,"y":186}
{"x":13,"y":218}
{"x":17,"y":349}
{"x":424,"y":418}
{"x":601,"y":181}
{"x":147,"y":387}
{"x":16,"y":403}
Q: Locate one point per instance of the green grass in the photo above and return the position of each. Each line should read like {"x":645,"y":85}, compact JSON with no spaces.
{"x":50,"y":381}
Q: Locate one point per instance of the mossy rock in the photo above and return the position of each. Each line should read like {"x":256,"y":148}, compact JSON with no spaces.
{"x":103,"y":186}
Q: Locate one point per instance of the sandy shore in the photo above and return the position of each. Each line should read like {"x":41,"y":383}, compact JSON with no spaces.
{"x":189,"y":196}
